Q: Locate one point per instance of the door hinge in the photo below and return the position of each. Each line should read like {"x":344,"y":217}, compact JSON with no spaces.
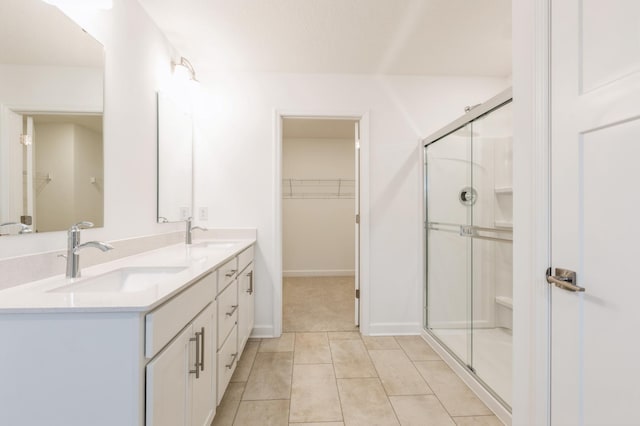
{"x":357,"y":293}
{"x":358,"y":219}
{"x":25,"y":140}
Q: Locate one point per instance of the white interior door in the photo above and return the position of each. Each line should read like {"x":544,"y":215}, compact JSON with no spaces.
{"x":29,"y":168}
{"x":11,"y":194}
{"x":595,"y":148}
{"x":357,"y":223}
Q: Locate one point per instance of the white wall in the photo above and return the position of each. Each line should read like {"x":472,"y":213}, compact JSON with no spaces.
{"x":50,"y":88}
{"x":88,"y":175}
{"x":71,"y":155}
{"x":235,"y":169}
{"x":138,"y":60}
{"x":318,"y":234}
{"x":54,"y":155}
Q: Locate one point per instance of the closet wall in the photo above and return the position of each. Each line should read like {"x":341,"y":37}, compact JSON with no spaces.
{"x":318,"y":206}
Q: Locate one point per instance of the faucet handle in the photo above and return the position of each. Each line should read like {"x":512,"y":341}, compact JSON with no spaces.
{"x":81,"y":225}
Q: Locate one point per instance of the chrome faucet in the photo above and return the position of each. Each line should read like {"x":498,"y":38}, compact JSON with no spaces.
{"x":24,"y":229}
{"x":187,"y":237}
{"x":74,"y":246}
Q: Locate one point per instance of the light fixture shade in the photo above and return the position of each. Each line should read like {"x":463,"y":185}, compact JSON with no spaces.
{"x":184,"y":69}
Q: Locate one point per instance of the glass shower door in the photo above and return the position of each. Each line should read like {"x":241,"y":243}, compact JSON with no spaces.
{"x":469,"y":243}
{"x":492,"y":250}
{"x":449,"y":197}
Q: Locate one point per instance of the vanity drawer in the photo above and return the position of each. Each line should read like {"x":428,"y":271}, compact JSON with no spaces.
{"x":245,"y":258}
{"x":227,"y":361}
{"x":164,"y":322}
{"x":227,"y":273}
{"x":227,"y":311}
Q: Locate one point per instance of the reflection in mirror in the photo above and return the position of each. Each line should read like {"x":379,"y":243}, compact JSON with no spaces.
{"x":51,"y":104}
{"x":175,"y":160}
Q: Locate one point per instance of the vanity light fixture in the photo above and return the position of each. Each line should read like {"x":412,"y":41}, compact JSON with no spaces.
{"x":185,"y":68}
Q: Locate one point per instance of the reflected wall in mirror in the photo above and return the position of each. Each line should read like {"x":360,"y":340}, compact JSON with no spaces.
{"x":175,"y":160}
{"x":51,"y":106}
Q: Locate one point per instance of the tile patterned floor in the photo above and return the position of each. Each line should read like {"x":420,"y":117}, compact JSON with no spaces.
{"x":318,"y":304}
{"x":338,"y":377}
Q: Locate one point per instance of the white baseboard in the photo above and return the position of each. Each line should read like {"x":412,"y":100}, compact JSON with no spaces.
{"x":263,"y":332}
{"x":485,"y":396}
{"x":395,"y":329}
{"x":319,"y":273}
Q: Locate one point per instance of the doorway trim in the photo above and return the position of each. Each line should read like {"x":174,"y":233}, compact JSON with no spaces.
{"x":363,"y":119}
{"x":531,"y":186}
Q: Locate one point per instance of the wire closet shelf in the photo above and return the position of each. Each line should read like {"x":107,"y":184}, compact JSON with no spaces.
{"x":318,"y":188}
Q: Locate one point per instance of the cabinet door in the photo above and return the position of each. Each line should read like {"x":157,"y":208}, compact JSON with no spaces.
{"x":246,"y":298}
{"x":203,"y":403}
{"x":168,"y":384}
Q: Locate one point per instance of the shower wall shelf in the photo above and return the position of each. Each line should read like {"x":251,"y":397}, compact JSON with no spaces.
{"x":505,"y":301}
{"x":503,"y":190}
{"x":503,"y":224}
{"x":318,"y":188}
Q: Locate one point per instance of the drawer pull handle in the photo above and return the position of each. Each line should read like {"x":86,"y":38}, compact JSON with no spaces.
{"x":231,"y":273}
{"x":202,"y":349}
{"x":250,"y":275}
{"x":235,"y":308}
{"x":197,"y":365}
{"x":233,"y":360}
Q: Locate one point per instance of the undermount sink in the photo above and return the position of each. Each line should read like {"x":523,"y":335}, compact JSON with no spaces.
{"x":214,"y":244}
{"x":124,"y":280}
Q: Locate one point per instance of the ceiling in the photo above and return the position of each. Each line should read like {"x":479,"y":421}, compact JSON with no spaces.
{"x":408,"y":37}
{"x":90,"y":121}
{"x":35,"y":33}
{"x":313,"y":128}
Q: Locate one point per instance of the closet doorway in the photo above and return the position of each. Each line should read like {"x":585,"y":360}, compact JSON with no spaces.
{"x":320,"y":229}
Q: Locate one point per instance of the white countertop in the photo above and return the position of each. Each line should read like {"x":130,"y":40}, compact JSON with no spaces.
{"x":41,"y":297}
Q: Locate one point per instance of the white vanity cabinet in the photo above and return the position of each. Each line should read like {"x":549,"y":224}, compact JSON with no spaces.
{"x":235,"y":314}
{"x":180,"y":379}
{"x":161,"y":356}
{"x":228,"y":305}
{"x":246,"y":297}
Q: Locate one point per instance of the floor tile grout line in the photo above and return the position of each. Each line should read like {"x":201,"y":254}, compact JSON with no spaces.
{"x":335,"y":379}
{"x":435,"y":393}
{"x":380,"y":380}
{"x":420,"y":374}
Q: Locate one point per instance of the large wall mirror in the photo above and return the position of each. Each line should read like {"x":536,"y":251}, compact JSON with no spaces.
{"x":51,"y":107}
{"x":175,"y":159}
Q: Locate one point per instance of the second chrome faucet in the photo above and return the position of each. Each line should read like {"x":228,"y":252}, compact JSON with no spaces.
{"x":74,"y":246}
{"x":189,"y":229}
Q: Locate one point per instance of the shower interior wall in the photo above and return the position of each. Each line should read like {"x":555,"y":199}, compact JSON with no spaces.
{"x":491,"y":271}
{"x":469,"y":280}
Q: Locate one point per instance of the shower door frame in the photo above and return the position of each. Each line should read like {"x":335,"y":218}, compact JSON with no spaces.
{"x":486,"y":394}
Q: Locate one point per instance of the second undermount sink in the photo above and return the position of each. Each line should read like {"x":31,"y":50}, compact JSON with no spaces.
{"x":124,"y":280}
{"x":213,"y":245}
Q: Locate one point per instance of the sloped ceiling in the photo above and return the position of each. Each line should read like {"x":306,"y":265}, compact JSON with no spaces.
{"x":35,"y":33}
{"x":406,"y":37}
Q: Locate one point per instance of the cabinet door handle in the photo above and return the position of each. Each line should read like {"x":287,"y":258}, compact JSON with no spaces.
{"x":197,"y":340}
{"x":231,"y":273}
{"x":233,"y":359}
{"x":250,"y":275}
{"x":202,"y":349}
{"x":235,"y":308}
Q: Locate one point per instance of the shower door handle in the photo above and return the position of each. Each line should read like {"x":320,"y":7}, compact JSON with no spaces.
{"x":564,"y":279}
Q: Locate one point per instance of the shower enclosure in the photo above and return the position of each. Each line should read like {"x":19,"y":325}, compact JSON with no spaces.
{"x":468,"y":209}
